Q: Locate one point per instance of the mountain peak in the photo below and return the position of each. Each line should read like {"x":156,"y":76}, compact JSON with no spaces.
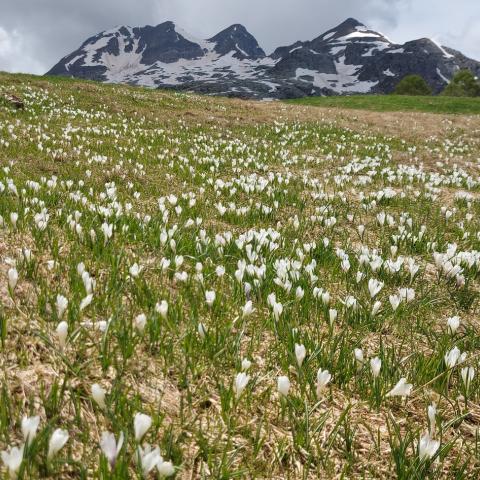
{"x":350,"y":24}
{"x":236,"y":38}
{"x":347,"y":27}
{"x":235,"y":28}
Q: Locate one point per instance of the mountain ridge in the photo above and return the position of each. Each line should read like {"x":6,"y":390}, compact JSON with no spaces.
{"x":349,"y":58}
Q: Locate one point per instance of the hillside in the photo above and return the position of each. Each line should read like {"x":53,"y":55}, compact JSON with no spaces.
{"x":396,"y":103}
{"x":347,"y":59}
{"x":260,"y":290}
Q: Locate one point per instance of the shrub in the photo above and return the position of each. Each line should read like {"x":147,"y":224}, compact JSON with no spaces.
{"x":463,"y":84}
{"x":413,"y":85}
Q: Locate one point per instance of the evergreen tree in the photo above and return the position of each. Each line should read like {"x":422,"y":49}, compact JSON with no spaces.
{"x":413,"y":85}
{"x":463,"y":84}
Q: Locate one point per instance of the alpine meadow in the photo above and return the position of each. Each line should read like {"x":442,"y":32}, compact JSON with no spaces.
{"x":203,"y":287}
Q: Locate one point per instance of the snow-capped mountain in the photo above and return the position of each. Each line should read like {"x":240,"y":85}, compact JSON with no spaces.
{"x":349,"y":58}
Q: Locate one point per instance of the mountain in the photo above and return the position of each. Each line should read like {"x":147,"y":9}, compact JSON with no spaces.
{"x":350,"y":58}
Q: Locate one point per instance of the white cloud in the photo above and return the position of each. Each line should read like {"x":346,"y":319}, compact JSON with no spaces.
{"x":37,"y":34}
{"x":15,"y":56}
{"x":454,"y":25}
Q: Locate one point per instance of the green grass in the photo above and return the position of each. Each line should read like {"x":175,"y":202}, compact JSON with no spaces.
{"x":164,"y":246}
{"x":396,"y":103}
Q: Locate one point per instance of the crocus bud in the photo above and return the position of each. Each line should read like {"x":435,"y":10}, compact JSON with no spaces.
{"x":467,"y":374}
{"x":86,"y":302}
{"x":58,"y":439}
{"x":247,"y":309}
{"x":62,"y":332}
{"x":61,"y":305}
{"x":401,"y":389}
{"x":375,"y":366}
{"x":376,"y":308}
{"x":241,"y":381}
{"x":162,"y":309}
{"x":165,"y":469}
{"x":202,"y":330}
{"x":14,"y":218}
{"x":332,"y":314}
{"x":358,"y":355}
{"x":98,"y":394}
{"x":246,"y":364}
{"x":323,"y":378}
{"x":12,"y":278}
{"x":427,"y":447}
{"x":29,"y":428}
{"x":210,"y":297}
{"x":283,"y":385}
{"x":141,"y":425}
{"x":300,"y":354}
{"x":299,"y":293}
{"x":140,"y":322}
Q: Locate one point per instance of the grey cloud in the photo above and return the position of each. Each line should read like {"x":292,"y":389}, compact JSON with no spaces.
{"x":35,"y":34}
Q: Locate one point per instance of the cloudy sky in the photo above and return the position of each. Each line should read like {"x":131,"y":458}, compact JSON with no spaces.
{"x":35,"y":34}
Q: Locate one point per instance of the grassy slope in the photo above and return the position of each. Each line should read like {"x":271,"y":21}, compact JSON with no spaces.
{"x":396,"y":103}
{"x":273,"y":166}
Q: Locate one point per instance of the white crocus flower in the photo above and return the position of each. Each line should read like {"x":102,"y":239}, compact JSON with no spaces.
{"x":332,"y":316}
{"x":323,"y":378}
{"x":452,"y":324}
{"x":247,"y":309}
{"x":210,"y":297}
{"x":29,"y":428}
{"x":467,"y":374}
{"x":376,"y":308}
{"x":246,"y":364}
{"x":12,"y":278}
{"x":135,"y":270}
{"x":427,"y":447}
{"x":14,"y":218}
{"x":110,"y":447}
{"x":202,"y":330}
{"x":277,"y":310}
{"x":300,"y":354}
{"x":241,"y":381}
{"x":62,"y":332}
{"x":86,"y":302}
{"x":58,"y":439}
{"x":395,"y":301}
{"x":299,"y":293}
{"x":165,"y":469}
{"x":98,"y":394}
{"x":162,"y":309}
{"x":358,"y":354}
{"x":375,"y":366}
{"x":61,"y":305}
{"x":406,"y":294}
{"x":374,"y":287}
{"x":149,"y":458}
{"x":13,"y":458}
{"x":401,"y":389}
{"x":140,"y":321}
{"x":141,"y":424}
{"x":283,"y":385}
{"x":451,"y":357}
